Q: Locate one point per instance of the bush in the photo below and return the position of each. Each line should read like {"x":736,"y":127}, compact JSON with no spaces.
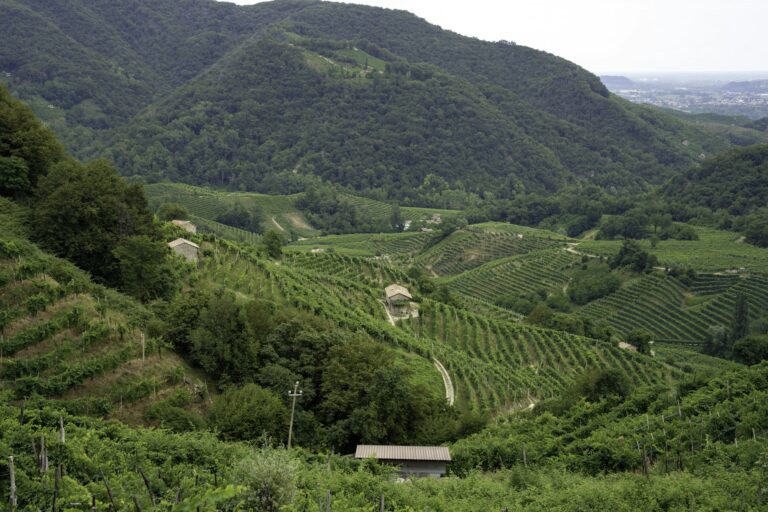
{"x":594,"y":385}
{"x":591,"y":284}
{"x":248,"y":413}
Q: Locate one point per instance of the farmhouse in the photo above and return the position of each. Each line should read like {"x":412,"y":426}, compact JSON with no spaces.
{"x":185,"y":225}
{"x":185,"y":248}
{"x":412,"y":461}
{"x":398,"y":299}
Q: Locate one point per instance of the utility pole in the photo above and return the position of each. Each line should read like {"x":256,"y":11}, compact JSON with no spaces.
{"x":294,"y":394}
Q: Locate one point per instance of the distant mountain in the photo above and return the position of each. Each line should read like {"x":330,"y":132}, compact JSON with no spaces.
{"x":747,"y":86}
{"x":265,"y":97}
{"x":616,"y":82}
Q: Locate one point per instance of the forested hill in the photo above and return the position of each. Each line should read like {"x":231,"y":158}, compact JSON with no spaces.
{"x":258,"y":97}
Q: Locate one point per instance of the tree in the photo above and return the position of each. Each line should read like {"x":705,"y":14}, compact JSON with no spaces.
{"x":716,"y":343}
{"x":247,"y":413}
{"x":396,"y":218}
{"x":27,"y":148}
{"x":14,"y":176}
{"x":641,"y":339}
{"x":172,"y":211}
{"x":633,"y":256}
{"x":144,"y":268}
{"x":273,"y":243}
{"x":740,"y":325}
{"x":597,"y":384}
{"x":85,"y":211}
{"x":751,"y":349}
{"x":241,"y":217}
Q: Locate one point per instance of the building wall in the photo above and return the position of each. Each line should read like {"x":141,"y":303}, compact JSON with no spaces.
{"x":187,"y":251}
{"x":420,"y":468}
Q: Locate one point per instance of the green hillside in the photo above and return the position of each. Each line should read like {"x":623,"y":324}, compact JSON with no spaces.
{"x":263,"y":97}
{"x":64,"y":338}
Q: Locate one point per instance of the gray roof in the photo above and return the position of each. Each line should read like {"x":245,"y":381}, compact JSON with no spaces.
{"x":383,"y":452}
{"x":396,"y":289}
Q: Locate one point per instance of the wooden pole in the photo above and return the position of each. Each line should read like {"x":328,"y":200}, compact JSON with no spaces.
{"x":12,"y":472}
{"x":149,"y":487}
{"x":381,"y":504}
{"x":62,"y":433}
{"x":295,"y":394}
{"x":109,"y":490}
{"x":56,"y":480}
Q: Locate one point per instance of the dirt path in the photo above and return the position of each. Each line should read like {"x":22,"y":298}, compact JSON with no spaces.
{"x":277,"y":225}
{"x":297,"y":221}
{"x":389,"y":315}
{"x":449,"y":394}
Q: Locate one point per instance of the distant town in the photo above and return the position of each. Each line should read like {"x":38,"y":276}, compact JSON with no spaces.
{"x":728,"y":94}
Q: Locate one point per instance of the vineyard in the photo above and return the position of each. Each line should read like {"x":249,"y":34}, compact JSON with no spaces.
{"x":502,"y":364}
{"x":714,"y":251}
{"x":494,"y":363}
{"x":372,"y":209}
{"x":660,"y":304}
{"x":471,"y":247}
{"x":280,"y":211}
{"x":517,"y":274}
{"x":66,"y":339}
{"x":403,"y":245}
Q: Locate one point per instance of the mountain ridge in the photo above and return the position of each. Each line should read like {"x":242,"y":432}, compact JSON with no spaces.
{"x":484,"y":117}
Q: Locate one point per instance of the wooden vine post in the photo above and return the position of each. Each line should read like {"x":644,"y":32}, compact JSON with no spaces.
{"x":12,"y":476}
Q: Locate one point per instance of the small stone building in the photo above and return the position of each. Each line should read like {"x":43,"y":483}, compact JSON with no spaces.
{"x":412,"y":461}
{"x":185,"y":225}
{"x":398,"y":299}
{"x":185,"y":248}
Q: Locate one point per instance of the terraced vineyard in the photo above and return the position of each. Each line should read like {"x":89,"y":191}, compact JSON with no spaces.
{"x":372,"y":209}
{"x":363,"y":244}
{"x":63,"y":338}
{"x":715,"y":251}
{"x":494,"y":363}
{"x":516,"y":274}
{"x":502,"y":364}
{"x":376,"y":272}
{"x":280,"y":211}
{"x":659,"y":304}
{"x":471,"y":247}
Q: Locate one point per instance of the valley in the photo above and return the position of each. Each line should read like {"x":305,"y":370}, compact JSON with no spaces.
{"x":240,"y":243}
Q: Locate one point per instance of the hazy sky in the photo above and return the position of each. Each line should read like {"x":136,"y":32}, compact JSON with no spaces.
{"x":614,"y":35}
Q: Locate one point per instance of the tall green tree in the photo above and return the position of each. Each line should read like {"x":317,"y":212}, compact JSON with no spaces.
{"x":273,"y":243}
{"x":740,"y":325}
{"x":144,"y":268}
{"x":27,"y":148}
{"x":85,"y":211}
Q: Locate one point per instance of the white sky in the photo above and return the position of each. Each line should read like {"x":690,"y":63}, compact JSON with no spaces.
{"x":611,"y":36}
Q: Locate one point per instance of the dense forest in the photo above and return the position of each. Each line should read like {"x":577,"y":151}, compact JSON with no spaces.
{"x":383,"y":100}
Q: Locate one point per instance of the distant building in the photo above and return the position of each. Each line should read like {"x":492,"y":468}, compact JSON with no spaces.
{"x":185,"y":225}
{"x":398,"y":299}
{"x":185,"y":248}
{"x":412,"y":461}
